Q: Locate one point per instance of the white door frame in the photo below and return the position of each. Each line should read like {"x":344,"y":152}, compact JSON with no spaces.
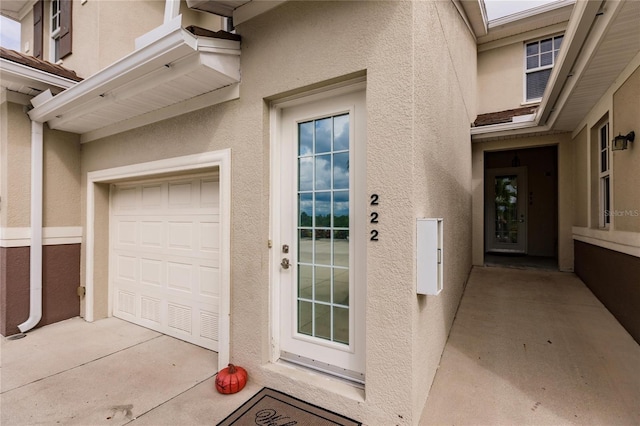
{"x":489,"y":212}
{"x":186,"y":164}
{"x":275,"y":194}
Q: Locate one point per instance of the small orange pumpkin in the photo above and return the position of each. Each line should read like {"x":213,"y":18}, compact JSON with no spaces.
{"x":231,"y":379}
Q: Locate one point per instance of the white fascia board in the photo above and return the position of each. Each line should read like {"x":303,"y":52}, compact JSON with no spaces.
{"x":13,"y":71}
{"x":506,"y":130}
{"x":254,"y":8}
{"x":170,"y":48}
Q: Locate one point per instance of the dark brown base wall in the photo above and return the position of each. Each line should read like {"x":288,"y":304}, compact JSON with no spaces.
{"x":60,"y":279}
{"x":614,"y":278}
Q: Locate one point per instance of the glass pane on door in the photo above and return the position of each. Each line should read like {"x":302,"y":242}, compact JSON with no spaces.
{"x":323,"y":229}
{"x":506,"y":205}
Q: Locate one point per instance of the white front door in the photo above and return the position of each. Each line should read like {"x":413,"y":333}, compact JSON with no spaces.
{"x":322,"y":234}
{"x":506,"y":210}
{"x":165,"y":256}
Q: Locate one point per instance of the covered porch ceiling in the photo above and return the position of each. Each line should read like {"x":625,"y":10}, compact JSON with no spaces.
{"x":174,"y":74}
{"x":614,"y":51}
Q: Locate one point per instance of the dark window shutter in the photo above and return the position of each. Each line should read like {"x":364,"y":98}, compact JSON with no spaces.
{"x":38,"y":24}
{"x":65,"y":29}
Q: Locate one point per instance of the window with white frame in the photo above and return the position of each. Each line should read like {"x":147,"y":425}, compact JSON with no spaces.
{"x":605,"y":178}
{"x":540,"y":57}
{"x":59,"y":29}
{"x":55,"y":30}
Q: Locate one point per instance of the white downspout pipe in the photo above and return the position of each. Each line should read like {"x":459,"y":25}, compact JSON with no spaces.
{"x":35,"y":264}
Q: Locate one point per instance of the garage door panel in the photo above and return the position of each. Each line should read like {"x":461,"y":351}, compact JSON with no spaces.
{"x":166,"y":257}
{"x":209,"y":281}
{"x":152,"y":196}
{"x":151,"y":234}
{"x":209,"y":193}
{"x":127,"y":268}
{"x":180,"y":235}
{"x":179,"y":276}
{"x":127,"y":232}
{"x":151,"y":272}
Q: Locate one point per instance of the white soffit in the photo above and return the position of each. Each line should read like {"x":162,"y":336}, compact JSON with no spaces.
{"x":16,"y":9}
{"x":146,"y":86}
{"x":614,"y":52}
{"x":240,"y":10}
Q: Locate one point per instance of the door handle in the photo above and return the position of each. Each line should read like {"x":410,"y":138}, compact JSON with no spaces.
{"x":285,"y":263}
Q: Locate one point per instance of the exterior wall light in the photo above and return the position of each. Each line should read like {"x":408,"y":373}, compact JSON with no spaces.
{"x":620,"y":141}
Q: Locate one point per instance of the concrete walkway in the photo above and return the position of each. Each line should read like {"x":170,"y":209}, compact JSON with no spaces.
{"x":527,"y":348}
{"x":534,"y":348}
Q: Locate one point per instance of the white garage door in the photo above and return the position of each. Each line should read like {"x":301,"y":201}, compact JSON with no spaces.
{"x":165,"y":251}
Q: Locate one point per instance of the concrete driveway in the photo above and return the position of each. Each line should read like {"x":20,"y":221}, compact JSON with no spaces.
{"x":109,"y":372}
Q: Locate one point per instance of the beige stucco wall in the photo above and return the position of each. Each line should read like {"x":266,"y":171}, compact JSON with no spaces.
{"x":301,"y":44}
{"x":97,"y":42}
{"x":61,"y":179}
{"x":501,"y":78}
{"x":565,"y":191}
{"x":16,"y":201}
{"x":580,"y":180}
{"x":61,"y":173}
{"x":626,"y":164}
{"x":445,"y":70}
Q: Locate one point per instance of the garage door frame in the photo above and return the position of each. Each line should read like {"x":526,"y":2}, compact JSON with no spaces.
{"x":174,"y":166}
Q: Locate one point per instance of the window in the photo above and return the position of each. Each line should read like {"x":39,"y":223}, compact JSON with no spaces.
{"x":540,"y":56}
{"x":60,"y":29}
{"x":605,"y":181}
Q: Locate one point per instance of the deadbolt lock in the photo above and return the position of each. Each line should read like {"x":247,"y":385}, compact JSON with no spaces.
{"x":285,"y":248}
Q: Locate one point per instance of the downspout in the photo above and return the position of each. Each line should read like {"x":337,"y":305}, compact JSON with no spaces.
{"x":35,"y":264}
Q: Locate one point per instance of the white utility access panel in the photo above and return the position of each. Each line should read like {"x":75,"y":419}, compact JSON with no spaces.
{"x":429,"y":255}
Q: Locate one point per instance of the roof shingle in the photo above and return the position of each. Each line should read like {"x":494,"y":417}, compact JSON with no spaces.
{"x":503,"y":116}
{"x":39,"y":64}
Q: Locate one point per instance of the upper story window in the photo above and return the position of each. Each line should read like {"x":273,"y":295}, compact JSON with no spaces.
{"x":540,"y":56}
{"x":55,"y":18}
{"x":60,"y":29}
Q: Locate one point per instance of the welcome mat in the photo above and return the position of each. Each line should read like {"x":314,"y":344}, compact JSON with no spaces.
{"x":272,"y":408}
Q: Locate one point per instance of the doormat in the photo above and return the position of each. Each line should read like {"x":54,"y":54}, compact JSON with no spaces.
{"x":273,"y":408}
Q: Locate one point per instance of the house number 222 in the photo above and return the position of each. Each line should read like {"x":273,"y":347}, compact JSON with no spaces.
{"x":373,"y":217}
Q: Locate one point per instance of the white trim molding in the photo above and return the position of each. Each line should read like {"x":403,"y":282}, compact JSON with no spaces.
{"x":185,"y":164}
{"x":51,"y":236}
{"x":621,"y":241}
